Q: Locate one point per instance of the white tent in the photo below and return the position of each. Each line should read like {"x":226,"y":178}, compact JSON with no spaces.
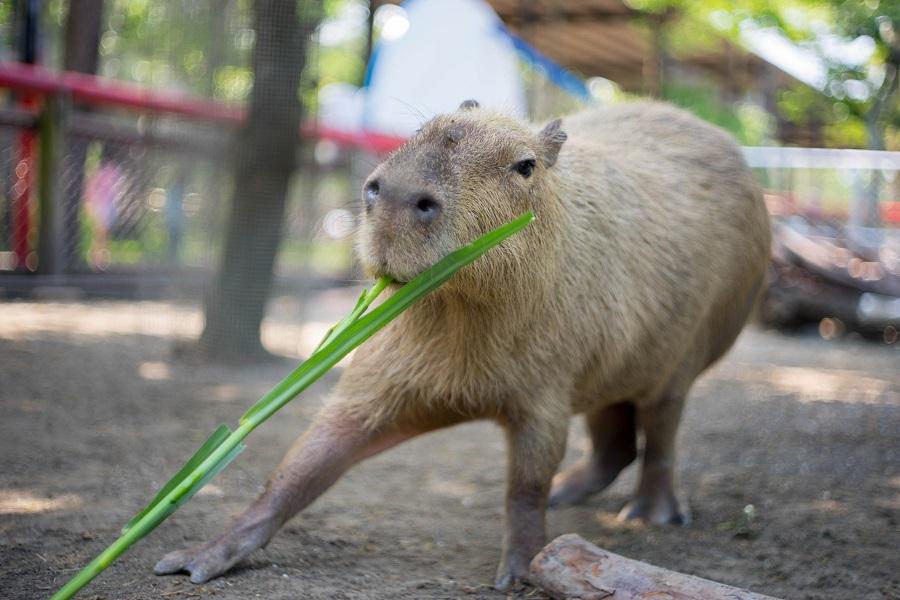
{"x":432,"y":55}
{"x":453,"y":50}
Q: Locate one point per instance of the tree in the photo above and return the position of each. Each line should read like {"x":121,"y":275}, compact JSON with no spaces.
{"x":858,"y":104}
{"x":870,"y":97}
{"x":84,"y":26}
{"x":264,"y":161}
{"x":880,"y":21}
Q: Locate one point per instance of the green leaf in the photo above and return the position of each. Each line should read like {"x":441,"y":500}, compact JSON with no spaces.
{"x":365,"y":299}
{"x":208,"y":447}
{"x":147,"y":525}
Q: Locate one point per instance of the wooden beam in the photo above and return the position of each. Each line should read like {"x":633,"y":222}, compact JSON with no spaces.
{"x":592,"y":14}
{"x":568,"y":45}
{"x":608,"y":42}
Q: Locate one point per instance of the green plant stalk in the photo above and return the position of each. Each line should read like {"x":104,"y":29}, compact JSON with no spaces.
{"x":365,"y":299}
{"x":344,"y":337}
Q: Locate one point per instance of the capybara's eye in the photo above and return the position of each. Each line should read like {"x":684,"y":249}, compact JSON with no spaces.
{"x":524,"y":167}
{"x":372,"y":189}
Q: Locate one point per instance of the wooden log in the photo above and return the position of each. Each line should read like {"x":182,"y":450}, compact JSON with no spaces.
{"x":570,"y":568}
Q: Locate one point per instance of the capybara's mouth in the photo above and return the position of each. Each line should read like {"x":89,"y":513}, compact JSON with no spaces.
{"x":382,"y":269}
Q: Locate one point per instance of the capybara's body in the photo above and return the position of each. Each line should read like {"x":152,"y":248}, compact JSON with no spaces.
{"x":650,"y":243}
{"x":648,"y":250}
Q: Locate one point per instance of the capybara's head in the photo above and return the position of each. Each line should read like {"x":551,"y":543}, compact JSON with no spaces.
{"x":458,"y":177}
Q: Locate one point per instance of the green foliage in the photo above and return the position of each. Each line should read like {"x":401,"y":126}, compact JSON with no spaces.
{"x":879,"y":19}
{"x":203,"y":46}
{"x":853,"y":94}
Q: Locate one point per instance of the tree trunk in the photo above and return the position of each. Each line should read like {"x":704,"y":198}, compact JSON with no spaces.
{"x":264,"y":161}
{"x":570,"y":568}
{"x":84,"y":26}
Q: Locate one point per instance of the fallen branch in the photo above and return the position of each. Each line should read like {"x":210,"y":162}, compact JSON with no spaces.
{"x":570,"y":568}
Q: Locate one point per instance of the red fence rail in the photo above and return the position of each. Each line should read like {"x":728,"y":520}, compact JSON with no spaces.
{"x":100,"y":91}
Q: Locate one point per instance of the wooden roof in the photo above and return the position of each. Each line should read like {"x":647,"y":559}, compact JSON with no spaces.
{"x":603,"y":38}
{"x":593,"y":37}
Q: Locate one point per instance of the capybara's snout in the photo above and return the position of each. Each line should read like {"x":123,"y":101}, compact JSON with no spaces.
{"x":405,"y":200}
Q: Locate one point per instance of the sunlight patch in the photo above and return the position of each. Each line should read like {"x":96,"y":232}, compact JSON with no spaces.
{"x":22,"y":502}
{"x":154,"y":370}
{"x":823,"y":385}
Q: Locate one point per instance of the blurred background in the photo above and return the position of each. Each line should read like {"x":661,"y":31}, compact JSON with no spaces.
{"x":210,"y":152}
{"x":179,"y":183}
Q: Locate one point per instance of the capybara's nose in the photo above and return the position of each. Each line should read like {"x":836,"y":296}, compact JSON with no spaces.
{"x":423,"y":206}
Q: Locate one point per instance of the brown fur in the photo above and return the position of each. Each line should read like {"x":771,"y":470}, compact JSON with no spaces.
{"x":649,"y":244}
{"x":648,"y":250}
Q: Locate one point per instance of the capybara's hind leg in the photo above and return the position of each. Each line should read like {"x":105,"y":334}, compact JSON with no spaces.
{"x":613,"y":437}
{"x":655,"y":500}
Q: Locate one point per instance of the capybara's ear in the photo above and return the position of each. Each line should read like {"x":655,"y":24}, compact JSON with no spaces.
{"x":552,"y":137}
{"x":468,"y":105}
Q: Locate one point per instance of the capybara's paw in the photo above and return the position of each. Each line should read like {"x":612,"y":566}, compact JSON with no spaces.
{"x":203,"y":562}
{"x":659,"y":509}
{"x":511,"y":573}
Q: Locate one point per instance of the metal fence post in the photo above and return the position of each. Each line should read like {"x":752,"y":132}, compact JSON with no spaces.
{"x":50,"y":132}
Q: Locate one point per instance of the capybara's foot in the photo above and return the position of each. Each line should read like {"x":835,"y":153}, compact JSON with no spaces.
{"x":209,"y":560}
{"x":511,"y":573}
{"x":203,"y":562}
{"x":581,"y":481}
{"x":661,"y":508}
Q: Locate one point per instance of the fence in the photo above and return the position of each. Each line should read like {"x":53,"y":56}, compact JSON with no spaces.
{"x":113,"y":189}
{"x":836,"y":252}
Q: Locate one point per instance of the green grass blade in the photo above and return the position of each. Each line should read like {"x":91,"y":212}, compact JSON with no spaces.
{"x":147,"y":524}
{"x":365,"y":300}
{"x":220,"y":457}
{"x":213,"y":442}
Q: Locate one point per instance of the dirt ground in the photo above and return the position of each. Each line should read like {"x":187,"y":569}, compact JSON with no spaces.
{"x":790,"y":462}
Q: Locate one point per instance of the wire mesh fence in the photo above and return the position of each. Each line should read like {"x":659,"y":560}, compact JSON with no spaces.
{"x":126,"y":205}
{"x":127,"y":201}
{"x":7,"y":190}
{"x":147,"y":197}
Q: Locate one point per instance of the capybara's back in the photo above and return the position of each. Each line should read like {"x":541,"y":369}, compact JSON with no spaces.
{"x":671,"y":234}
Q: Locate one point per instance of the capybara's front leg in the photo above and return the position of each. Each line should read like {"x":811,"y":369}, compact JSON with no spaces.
{"x":536,"y":446}
{"x":333,"y":443}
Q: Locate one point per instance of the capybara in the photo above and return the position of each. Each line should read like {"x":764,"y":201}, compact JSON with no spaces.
{"x":647,"y":254}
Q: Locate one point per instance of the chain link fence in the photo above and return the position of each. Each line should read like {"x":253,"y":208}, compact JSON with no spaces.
{"x":138,"y":205}
{"x":130,"y":197}
{"x":142,"y":202}
{"x":8,"y":181}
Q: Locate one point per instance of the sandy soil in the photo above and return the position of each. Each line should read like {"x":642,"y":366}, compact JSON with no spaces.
{"x":790,"y":462}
